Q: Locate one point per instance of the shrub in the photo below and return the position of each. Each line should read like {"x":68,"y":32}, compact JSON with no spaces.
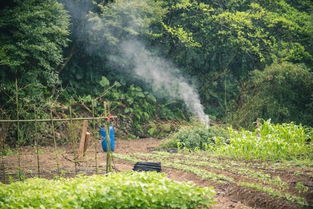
{"x":119,"y":190}
{"x":197,"y":137}
{"x":282,"y":92}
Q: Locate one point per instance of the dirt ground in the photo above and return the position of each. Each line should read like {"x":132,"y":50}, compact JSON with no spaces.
{"x":147,"y":145}
{"x":60,"y":161}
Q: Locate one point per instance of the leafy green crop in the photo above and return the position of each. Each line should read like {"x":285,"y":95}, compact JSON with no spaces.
{"x":185,"y":166}
{"x":207,"y":162}
{"x":286,"y":141}
{"x":270,"y":142}
{"x":119,"y":190}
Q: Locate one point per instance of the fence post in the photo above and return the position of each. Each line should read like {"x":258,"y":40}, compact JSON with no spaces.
{"x":55,"y":143}
{"x":93,"y":104}
{"x":109,"y":158}
{"x":2,"y":157}
{"x":36,"y":145}
{"x":73,"y":139}
{"x":18,"y":129}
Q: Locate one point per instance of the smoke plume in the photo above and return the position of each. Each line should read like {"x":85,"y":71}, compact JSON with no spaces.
{"x":160,"y":74}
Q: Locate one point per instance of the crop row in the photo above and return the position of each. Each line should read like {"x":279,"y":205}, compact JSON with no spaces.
{"x":214,"y":163}
{"x":118,"y":190}
{"x":219,"y":178}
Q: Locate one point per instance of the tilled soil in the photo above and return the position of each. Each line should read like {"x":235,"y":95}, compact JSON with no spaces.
{"x":61,"y":161}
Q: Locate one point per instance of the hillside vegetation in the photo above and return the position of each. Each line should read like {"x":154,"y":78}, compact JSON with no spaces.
{"x":247,"y":59}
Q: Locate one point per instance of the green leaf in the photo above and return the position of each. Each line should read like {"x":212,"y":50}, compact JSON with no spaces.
{"x":140,"y":94}
{"x":152,"y":98}
{"x":117,"y":84}
{"x":104,"y":82}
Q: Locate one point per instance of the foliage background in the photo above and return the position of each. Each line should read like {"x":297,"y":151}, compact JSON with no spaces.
{"x":248,"y":58}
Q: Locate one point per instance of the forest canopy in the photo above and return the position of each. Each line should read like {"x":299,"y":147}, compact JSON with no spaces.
{"x":248,"y":59}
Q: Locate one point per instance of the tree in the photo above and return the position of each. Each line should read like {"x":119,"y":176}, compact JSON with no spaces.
{"x":282,"y":92}
{"x":33,"y":34}
{"x":219,"y":42}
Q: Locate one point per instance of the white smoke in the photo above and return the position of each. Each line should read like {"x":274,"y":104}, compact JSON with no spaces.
{"x":160,"y":74}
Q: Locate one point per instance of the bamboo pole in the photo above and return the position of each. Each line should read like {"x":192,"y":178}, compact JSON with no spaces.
{"x":93,"y":104}
{"x":2,"y":161}
{"x":55,"y":144}
{"x":50,"y":120}
{"x":83,"y":141}
{"x":36,"y":147}
{"x":32,"y":166}
{"x":107,"y":138}
{"x":18,"y":129}
{"x":225,"y":92}
{"x":73,"y":140}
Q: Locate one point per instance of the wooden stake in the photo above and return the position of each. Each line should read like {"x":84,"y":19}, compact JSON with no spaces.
{"x":94,"y":130}
{"x":37,"y":148}
{"x":55,"y":144}
{"x":73,"y":140}
{"x":18,"y":129}
{"x":82,"y":141}
{"x":2,"y":158}
{"x":258,"y":124}
{"x":49,"y":120}
{"x":109,"y":159}
{"x":87,"y":141}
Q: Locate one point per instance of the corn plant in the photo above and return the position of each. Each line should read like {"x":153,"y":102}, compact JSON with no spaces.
{"x":270,"y":142}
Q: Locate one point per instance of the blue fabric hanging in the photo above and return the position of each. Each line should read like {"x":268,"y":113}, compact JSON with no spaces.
{"x":103,"y":138}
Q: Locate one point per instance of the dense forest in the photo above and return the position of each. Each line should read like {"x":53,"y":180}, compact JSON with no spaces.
{"x":247,"y":59}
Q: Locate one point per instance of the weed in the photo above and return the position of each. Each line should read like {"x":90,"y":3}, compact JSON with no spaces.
{"x":301,"y":188}
{"x":274,"y":193}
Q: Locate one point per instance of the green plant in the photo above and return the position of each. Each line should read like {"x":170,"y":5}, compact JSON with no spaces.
{"x":275,"y":193}
{"x":31,"y":49}
{"x":217,"y":177}
{"x":269,"y":142}
{"x":192,"y":169}
{"x":119,"y":190}
{"x":282,"y":92}
{"x":197,"y":137}
{"x":209,"y":162}
{"x":301,"y":188}
{"x":140,"y":113}
{"x":7,"y":151}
